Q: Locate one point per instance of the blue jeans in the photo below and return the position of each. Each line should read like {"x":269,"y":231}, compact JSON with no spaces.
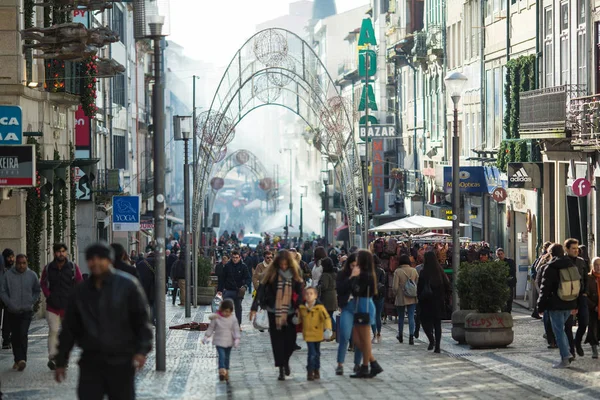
{"x":558,"y":319}
{"x":345,"y":333}
{"x":376,"y":325}
{"x":410,"y":309}
{"x":224,"y":353}
{"x":314,"y":356}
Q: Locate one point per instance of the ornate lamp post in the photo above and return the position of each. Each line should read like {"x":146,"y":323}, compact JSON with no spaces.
{"x":455,"y":82}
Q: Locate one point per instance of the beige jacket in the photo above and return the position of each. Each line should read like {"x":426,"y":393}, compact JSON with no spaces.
{"x":401,"y":275}
{"x":258,"y":274}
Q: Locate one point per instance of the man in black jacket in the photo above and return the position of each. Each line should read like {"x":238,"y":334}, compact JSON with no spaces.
{"x":583,"y":316}
{"x":550,"y":301}
{"x":107,"y":317}
{"x":512,"y":276}
{"x":121,"y":260}
{"x":146,"y":269}
{"x":236,"y":281}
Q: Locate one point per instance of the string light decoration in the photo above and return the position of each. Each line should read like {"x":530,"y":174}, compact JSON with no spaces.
{"x":88,"y":94}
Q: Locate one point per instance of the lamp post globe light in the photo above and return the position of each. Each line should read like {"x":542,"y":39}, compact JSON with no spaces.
{"x":455,"y":83}
{"x":182,"y":130}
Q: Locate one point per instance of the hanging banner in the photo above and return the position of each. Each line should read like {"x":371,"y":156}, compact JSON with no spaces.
{"x":527,"y":175}
{"x":378,"y":186}
{"x":17,"y":166}
{"x":83,"y":136}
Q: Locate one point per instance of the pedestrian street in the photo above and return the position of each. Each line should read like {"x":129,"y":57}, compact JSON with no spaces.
{"x":522,"y":371}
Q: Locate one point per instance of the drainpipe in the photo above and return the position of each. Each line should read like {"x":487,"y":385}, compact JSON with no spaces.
{"x":538,"y":143}
{"x":482,"y":72}
{"x":508,"y":29}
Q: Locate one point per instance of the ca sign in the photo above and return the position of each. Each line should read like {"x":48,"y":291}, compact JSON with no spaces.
{"x":11,"y":125}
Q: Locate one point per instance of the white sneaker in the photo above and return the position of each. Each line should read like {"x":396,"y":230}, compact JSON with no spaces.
{"x":565,"y":363}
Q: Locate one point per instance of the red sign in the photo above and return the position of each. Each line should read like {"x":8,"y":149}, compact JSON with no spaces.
{"x":82,"y":129}
{"x":581,"y":187}
{"x":378,"y":187}
{"x":499,"y":194}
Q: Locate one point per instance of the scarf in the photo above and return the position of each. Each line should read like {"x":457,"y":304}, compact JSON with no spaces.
{"x":283,"y":298}
{"x":597,"y":276}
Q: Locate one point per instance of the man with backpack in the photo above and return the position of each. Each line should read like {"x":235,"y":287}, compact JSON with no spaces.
{"x":583,"y":316}
{"x":560,"y":289}
{"x":57,"y":282}
{"x":405,"y":289}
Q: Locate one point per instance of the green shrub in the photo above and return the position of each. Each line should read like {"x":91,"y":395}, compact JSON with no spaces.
{"x":482,"y":286}
{"x":204,"y":270}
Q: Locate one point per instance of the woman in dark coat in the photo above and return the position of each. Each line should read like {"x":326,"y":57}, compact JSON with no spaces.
{"x":433,"y":292}
{"x":280,"y":293}
{"x":327,"y":290}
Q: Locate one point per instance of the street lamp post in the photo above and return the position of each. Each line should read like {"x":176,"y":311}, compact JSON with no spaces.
{"x":291,"y":201}
{"x":325,"y":176}
{"x":303,"y":194}
{"x":455,"y":82}
{"x":155,"y":23}
{"x":182,"y":131}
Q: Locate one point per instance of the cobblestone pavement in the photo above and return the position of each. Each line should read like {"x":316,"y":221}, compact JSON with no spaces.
{"x":521,"y":371}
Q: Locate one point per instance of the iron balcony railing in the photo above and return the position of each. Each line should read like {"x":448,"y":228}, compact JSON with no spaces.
{"x":584,"y":118}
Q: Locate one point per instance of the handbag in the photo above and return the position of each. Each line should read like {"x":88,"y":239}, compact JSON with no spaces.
{"x":362,"y":318}
{"x":261,"y":321}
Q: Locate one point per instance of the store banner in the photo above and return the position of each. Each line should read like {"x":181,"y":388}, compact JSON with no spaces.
{"x":472,"y":180}
{"x":126,"y":213}
{"x":83,"y":132}
{"x":378,"y":186}
{"x":527,"y":175}
{"x":17,"y":166}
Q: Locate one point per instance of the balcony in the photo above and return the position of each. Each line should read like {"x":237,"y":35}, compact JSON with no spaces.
{"x":110,"y":181}
{"x":435,"y":43}
{"x":584,"y":117}
{"x":147,"y":188}
{"x":347,"y":71}
{"x":543,"y":112}
{"x":414,"y":183}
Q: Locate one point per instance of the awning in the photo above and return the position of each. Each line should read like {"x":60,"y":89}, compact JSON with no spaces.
{"x":416,"y":223}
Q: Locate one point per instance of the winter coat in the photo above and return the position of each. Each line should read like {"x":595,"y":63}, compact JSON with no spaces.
{"x":343,"y":289}
{"x":549,"y":299}
{"x":224,"y":331}
{"x":314,"y":322}
{"x":317,"y":271}
{"x":401,"y":276}
{"x":435,"y":306}
{"x":592,"y":295}
{"x":257,"y":274}
{"x":381,"y":283}
{"x":266,"y":296}
{"x":57,"y":284}
{"x":19,"y":291}
{"x":123,"y":266}
{"x":235,"y":276}
{"x":328,"y":294}
{"x":146,"y":269}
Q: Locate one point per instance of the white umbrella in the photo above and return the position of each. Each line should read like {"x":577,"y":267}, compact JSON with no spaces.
{"x":415,"y":223}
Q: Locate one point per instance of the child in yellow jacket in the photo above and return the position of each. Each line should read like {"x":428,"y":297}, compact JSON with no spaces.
{"x":316,"y":326}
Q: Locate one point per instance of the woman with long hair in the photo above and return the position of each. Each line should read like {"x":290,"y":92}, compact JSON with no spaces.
{"x":315,"y":265}
{"x":344,"y":334}
{"x":433,"y":292}
{"x":363,"y":281}
{"x":280,"y":294}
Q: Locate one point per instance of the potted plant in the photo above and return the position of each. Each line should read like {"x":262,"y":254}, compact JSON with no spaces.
{"x":463,"y":286}
{"x":487,"y":293}
{"x":206,"y":292}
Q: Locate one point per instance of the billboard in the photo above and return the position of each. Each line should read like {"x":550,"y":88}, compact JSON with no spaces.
{"x":17,"y":166}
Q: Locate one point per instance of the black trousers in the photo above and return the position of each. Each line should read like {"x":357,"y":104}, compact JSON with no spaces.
{"x":417,"y":319}
{"x":19,"y":327}
{"x":429,"y":326}
{"x":583,"y":319}
{"x":97,"y":379}
{"x":569,"y":332}
{"x":282,"y":340}
{"x":5,"y":328}
{"x":509,"y":303}
{"x":593,"y":332}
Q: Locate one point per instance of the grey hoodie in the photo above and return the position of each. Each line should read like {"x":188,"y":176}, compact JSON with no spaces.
{"x":19,"y":291}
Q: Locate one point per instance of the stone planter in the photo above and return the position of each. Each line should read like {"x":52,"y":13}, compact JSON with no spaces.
{"x":458,"y":325}
{"x":206,"y":295}
{"x":485,"y":330}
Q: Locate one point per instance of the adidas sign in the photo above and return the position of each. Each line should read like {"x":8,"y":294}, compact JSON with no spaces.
{"x":521,"y":176}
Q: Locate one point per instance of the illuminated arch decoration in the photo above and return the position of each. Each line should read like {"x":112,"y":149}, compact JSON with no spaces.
{"x":276,"y":67}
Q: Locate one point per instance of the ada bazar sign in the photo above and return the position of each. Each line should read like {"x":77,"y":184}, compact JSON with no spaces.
{"x":11,"y":125}
{"x":377,"y":131}
{"x":527,"y":175}
{"x":17,"y":166}
{"x":126,"y":213}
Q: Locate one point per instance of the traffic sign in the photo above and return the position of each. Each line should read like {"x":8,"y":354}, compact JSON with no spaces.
{"x":377,"y":131}
{"x":581,"y":187}
{"x":11,"y":125}
{"x":499,"y":194}
{"x":126,"y":213}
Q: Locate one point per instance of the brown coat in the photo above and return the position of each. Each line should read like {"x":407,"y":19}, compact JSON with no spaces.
{"x":401,"y":275}
{"x":257,"y":275}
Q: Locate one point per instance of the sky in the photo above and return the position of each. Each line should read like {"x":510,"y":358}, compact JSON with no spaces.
{"x":213,"y":30}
